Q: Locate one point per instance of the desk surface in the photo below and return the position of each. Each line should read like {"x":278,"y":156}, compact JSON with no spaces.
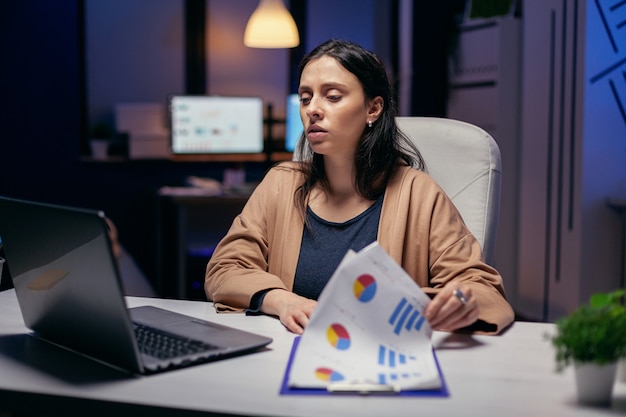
{"x":508,"y":375}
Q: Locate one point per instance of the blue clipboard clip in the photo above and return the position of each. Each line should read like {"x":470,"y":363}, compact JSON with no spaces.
{"x":363,"y":388}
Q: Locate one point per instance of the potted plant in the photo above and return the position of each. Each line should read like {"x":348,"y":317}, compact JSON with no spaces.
{"x":100,"y":136}
{"x":593,"y":339}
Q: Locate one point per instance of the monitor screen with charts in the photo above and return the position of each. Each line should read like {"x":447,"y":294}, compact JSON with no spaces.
{"x":293,"y":123}
{"x":215,"y":124}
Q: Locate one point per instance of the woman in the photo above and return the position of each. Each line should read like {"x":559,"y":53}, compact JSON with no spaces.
{"x":358,"y":184}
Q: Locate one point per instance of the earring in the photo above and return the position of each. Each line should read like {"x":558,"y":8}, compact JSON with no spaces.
{"x":369,"y":123}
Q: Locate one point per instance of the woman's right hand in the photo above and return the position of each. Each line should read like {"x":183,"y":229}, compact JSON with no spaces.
{"x":293,"y":310}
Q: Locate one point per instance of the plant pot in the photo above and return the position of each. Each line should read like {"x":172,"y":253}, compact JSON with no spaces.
{"x":621,"y":370}
{"x":99,"y":148}
{"x":594,"y":383}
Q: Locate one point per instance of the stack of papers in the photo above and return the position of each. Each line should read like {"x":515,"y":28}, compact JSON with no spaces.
{"x":368,"y":328}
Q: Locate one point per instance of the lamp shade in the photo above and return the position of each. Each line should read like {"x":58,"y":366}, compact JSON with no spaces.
{"x":271,"y":26}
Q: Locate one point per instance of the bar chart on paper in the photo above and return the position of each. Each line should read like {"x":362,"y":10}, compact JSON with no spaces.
{"x":406,"y":317}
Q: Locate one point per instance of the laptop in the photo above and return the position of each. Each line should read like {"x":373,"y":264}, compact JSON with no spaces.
{"x":70,"y":294}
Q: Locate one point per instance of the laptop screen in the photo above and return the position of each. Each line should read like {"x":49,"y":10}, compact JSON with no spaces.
{"x":70,"y":291}
{"x":215,"y":124}
{"x":293,"y":123}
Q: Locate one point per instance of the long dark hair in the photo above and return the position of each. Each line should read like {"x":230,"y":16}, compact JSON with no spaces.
{"x":382,"y":147}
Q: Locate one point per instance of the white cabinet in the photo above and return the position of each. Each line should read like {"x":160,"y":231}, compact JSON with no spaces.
{"x":573,"y":154}
{"x":485,"y":91}
{"x":551,"y":89}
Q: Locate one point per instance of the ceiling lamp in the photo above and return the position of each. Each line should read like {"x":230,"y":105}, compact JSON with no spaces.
{"x":271,"y":26}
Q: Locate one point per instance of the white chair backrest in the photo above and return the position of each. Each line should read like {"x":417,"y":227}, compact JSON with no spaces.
{"x":465,"y":161}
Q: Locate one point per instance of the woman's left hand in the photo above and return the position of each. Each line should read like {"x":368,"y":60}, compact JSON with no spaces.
{"x":454,"y":307}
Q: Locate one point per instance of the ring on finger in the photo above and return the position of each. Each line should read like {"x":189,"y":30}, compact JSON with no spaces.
{"x":459,"y":294}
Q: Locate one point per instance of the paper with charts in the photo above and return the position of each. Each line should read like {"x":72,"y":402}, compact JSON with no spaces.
{"x":369,"y":328}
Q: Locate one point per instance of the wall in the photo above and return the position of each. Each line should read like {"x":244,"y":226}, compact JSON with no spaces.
{"x":45,"y":99}
{"x":135,"y":49}
{"x":604,"y":131}
{"x":573,"y":156}
{"x":42,"y":85}
{"x":40,"y":155}
{"x":134,"y":53}
{"x":233,"y":68}
{"x":349,"y":20}
{"x":40,"y":77}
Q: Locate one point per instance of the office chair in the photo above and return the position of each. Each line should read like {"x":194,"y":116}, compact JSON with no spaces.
{"x":465,"y":161}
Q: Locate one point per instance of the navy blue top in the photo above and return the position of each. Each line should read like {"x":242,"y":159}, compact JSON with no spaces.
{"x":325,"y":243}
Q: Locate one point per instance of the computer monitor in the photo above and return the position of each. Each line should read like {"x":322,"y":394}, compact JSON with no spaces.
{"x":215,"y":124}
{"x":293,"y":123}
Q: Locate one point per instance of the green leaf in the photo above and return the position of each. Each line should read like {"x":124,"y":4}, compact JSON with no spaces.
{"x":600,"y":300}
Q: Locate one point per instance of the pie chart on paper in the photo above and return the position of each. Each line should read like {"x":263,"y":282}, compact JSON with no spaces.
{"x":338,"y":336}
{"x":327,"y":374}
{"x":364,"y":288}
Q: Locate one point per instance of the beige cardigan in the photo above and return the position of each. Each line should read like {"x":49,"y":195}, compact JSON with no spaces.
{"x":419,"y":227}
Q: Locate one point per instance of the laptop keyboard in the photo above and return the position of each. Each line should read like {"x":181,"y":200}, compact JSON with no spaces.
{"x":164,"y":345}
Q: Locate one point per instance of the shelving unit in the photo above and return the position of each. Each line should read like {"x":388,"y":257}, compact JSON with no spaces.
{"x":272,"y":152}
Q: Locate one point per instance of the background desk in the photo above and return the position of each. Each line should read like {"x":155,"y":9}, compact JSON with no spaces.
{"x":189,"y":227}
{"x":509,"y":375}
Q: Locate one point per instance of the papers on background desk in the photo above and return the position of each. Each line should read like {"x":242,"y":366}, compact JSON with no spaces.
{"x":368,"y":328}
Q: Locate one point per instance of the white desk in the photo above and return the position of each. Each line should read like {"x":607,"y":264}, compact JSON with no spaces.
{"x":508,"y":375}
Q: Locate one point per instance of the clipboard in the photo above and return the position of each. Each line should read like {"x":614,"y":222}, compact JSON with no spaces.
{"x":360,"y":389}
